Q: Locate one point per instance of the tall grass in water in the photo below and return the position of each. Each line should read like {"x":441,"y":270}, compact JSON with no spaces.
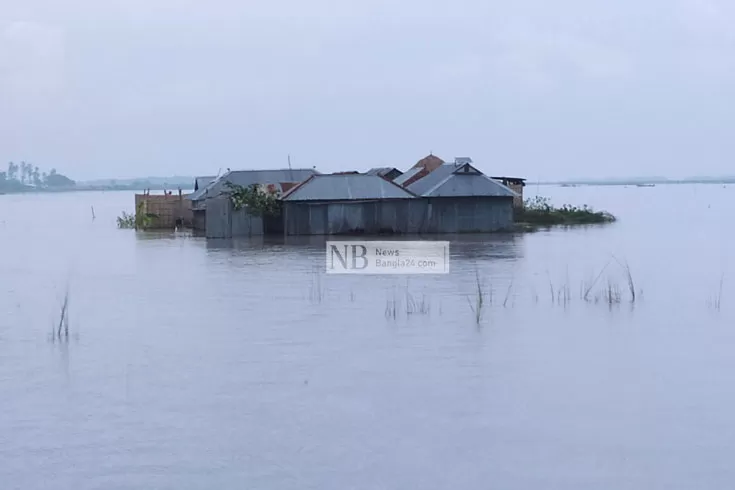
{"x":62,"y":330}
{"x":587,"y":287}
{"x":561,"y":295}
{"x":629,"y":278}
{"x":716,"y":302}
{"x":316,"y":290}
{"x":612,"y":293}
{"x":479,"y":299}
{"x":391,"y":306}
{"x":507,"y":293}
{"x":551,"y":288}
{"x":534,"y":294}
{"x":417,"y":307}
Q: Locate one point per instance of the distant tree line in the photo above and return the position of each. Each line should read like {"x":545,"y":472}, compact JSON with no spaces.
{"x":26,"y":177}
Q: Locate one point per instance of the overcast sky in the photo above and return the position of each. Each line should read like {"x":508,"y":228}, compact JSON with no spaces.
{"x":536,"y":88}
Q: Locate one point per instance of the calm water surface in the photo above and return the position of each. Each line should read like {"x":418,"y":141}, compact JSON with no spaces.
{"x":197,"y":364}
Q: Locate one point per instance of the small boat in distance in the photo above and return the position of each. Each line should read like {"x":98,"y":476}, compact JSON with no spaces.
{"x":645,"y":185}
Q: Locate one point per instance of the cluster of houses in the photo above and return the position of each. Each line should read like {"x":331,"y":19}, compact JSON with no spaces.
{"x":433,"y":196}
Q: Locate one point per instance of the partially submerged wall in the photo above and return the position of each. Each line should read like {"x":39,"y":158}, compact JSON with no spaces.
{"x":518,"y":189}
{"x":169,"y":211}
{"x":223,"y":221}
{"x":402,"y":216}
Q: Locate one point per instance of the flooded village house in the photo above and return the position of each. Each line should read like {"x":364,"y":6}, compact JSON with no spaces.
{"x":452,"y":198}
{"x":214,"y":214}
{"x":432,"y":197}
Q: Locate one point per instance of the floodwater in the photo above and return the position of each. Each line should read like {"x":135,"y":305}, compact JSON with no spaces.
{"x":198,"y":365}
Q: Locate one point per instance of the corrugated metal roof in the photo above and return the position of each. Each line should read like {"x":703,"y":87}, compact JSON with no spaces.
{"x":201,"y":182}
{"x":409,"y":173}
{"x":380,"y":171}
{"x":197,"y":195}
{"x":459,"y":185}
{"x":450,"y":180}
{"x":249,"y":177}
{"x":431,"y":179}
{"x":346,"y":188}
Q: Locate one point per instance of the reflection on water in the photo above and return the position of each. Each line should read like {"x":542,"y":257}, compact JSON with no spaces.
{"x":239,"y":364}
{"x":462,"y":247}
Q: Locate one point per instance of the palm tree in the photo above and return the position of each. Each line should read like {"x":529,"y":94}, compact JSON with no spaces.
{"x":36,"y":178}
{"x":12,"y":171}
{"x":29,"y":172}
{"x":23,"y":172}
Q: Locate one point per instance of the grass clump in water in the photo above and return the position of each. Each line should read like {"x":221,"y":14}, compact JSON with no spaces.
{"x":138,"y":221}
{"x":414,"y":306}
{"x":479,"y":299}
{"x":61,"y":332}
{"x":540,"y":211}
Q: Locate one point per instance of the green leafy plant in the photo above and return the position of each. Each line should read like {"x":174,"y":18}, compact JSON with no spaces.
{"x":256,"y":201}
{"x":126,"y":221}
{"x":540,"y":211}
{"x":138,"y":221}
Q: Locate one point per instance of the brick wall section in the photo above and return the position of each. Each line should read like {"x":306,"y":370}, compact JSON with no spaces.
{"x":517,"y":201}
{"x":169,"y":209}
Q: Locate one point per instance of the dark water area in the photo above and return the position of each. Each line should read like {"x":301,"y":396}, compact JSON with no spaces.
{"x":195,"y":364}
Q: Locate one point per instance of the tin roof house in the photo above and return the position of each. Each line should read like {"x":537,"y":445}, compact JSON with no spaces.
{"x":213,"y":211}
{"x":445,"y":198}
{"x":432,"y":197}
{"x":346,"y":204}
{"x":282,"y":179}
{"x":462,"y":199}
{"x":428,"y":164}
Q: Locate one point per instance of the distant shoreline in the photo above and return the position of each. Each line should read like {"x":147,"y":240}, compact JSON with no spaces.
{"x":94,"y":189}
{"x":160,"y":188}
{"x":632,"y":183}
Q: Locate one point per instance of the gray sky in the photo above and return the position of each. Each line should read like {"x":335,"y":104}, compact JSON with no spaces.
{"x":536,"y":88}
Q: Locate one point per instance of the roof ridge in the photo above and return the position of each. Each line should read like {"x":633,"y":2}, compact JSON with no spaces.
{"x":298,"y":186}
{"x":502,"y":185}
{"x":291,"y":193}
{"x":269,"y":170}
{"x":438,"y":184}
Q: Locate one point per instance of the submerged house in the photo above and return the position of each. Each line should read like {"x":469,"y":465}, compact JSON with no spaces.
{"x":429,"y":164}
{"x":459,"y":198}
{"x":432,"y":197}
{"x":213,"y":212}
{"x":347,"y":204}
{"x":452,"y":198}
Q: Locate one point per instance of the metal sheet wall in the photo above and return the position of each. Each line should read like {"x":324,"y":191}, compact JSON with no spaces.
{"x":407,"y":216}
{"x":222,"y":221}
